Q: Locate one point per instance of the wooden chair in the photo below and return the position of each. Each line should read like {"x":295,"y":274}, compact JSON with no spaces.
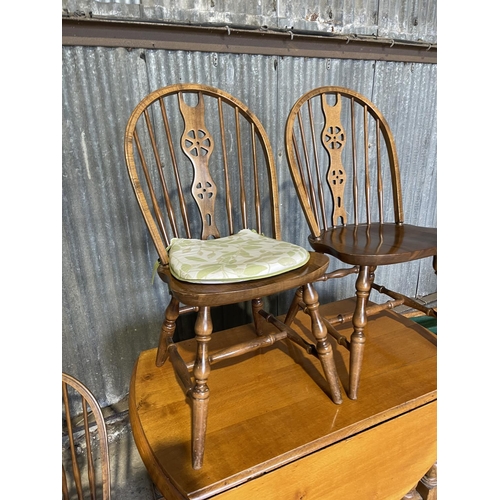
{"x":343,"y":161}
{"x":203,"y":174}
{"x":90,"y":469}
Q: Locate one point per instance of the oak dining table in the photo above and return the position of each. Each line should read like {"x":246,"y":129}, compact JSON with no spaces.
{"x":283,"y":438}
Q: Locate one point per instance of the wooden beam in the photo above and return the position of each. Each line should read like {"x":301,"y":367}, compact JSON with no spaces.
{"x":226,"y":39}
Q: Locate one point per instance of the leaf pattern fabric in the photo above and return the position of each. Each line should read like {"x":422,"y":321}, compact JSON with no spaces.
{"x":244,"y":256}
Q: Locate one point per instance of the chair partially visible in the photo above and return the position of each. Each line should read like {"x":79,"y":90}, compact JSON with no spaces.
{"x":83,"y":424}
{"x":343,"y":161}
{"x":203,"y":173}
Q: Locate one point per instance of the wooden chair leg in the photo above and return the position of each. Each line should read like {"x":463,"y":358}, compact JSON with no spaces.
{"x":294,"y":307}
{"x":258,"y":320}
{"x":167,"y":331}
{"x":363,"y":286}
{"x":200,"y":393}
{"x":323,"y":345}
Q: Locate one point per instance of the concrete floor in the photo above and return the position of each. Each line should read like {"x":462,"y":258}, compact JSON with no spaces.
{"x":129,"y":478}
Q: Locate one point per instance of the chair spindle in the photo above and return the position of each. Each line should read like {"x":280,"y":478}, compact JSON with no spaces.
{"x":173,"y":158}
{"x":354,"y":163}
{"x":229,"y":201}
{"x":307,"y":174}
{"x":380,"y":189}
{"x":243,"y":199}
{"x":154,"y":147}
{"x":367,"y":166}
{"x":256,"y":182}
{"x":149,"y":183}
{"x":76,"y":470}
{"x":90,"y":460}
{"x":319,"y":184}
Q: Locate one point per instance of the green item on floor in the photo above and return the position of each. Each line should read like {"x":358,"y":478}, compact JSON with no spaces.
{"x":427,"y":322}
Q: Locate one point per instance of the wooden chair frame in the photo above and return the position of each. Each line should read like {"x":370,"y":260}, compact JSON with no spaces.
{"x":321,"y":183}
{"x":228,"y":195}
{"x":92,"y":416}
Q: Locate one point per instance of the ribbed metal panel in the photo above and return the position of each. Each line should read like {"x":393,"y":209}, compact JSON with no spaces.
{"x":111,"y":311}
{"x":106,"y":321}
{"x":340,"y":17}
{"x":408,"y":20}
{"x":402,"y":20}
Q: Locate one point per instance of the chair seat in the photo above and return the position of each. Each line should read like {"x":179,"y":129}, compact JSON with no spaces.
{"x":377,"y":244}
{"x":243,"y":256}
{"x":196,"y":294}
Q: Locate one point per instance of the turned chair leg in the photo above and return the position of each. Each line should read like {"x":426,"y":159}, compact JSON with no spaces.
{"x":363,"y":287}
{"x":294,"y":307}
{"x":167,"y":331}
{"x":258,"y":320}
{"x":200,"y":393}
{"x":323,"y":345}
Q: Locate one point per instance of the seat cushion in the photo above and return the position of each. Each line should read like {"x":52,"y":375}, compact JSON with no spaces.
{"x":244,"y":256}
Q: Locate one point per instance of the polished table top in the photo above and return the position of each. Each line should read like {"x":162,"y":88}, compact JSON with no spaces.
{"x":268,"y":409}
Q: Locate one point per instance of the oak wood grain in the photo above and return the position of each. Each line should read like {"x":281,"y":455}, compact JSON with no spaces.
{"x":378,"y":464}
{"x":270,"y":413}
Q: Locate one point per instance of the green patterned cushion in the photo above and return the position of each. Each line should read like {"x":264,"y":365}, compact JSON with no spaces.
{"x":244,"y":256}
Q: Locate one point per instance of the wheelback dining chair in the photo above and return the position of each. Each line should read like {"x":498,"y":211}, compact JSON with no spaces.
{"x":88,"y":468}
{"x":344,"y":165}
{"x":203,"y":173}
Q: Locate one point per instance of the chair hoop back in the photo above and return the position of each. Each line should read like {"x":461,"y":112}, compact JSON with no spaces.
{"x":337,"y":135}
{"x":201,"y":166}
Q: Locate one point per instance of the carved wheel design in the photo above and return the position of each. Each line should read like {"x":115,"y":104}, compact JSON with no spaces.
{"x":197,"y":143}
{"x":337,"y":177}
{"x":334,"y":138}
{"x":204,"y":190}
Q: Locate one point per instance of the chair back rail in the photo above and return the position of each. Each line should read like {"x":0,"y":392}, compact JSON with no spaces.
{"x":181,"y":142}
{"x":338,"y":135}
{"x":86,"y":476}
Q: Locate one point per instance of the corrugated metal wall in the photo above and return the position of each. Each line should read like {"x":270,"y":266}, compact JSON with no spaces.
{"x":111,"y":310}
{"x":414,"y":20}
